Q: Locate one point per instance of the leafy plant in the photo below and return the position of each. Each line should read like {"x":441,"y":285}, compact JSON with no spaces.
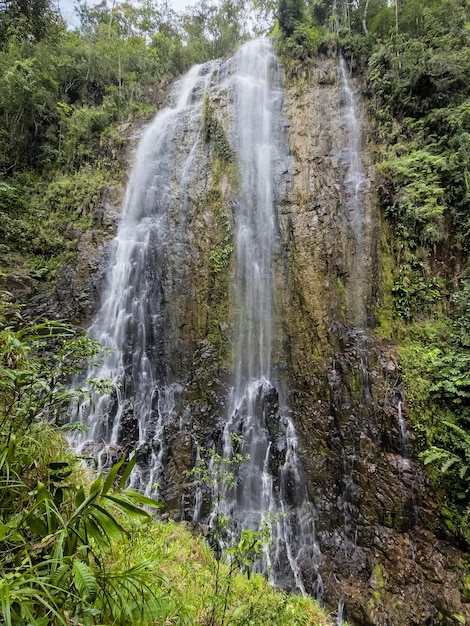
{"x":219,"y":473}
{"x":56,"y":532}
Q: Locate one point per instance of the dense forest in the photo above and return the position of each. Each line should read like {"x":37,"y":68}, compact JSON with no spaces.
{"x":82,"y":550}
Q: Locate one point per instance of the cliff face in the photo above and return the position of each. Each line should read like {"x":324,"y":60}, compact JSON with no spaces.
{"x":374,"y":507}
{"x":382,"y":551}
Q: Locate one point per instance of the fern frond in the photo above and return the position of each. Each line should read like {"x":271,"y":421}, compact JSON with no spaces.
{"x":433,"y":454}
{"x":85,"y":581}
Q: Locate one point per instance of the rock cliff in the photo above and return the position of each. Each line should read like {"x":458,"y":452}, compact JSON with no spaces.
{"x":384,"y":552}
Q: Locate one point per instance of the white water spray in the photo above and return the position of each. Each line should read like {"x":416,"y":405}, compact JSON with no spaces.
{"x":354,"y":183}
{"x":270,"y":487}
{"x":131,"y":320}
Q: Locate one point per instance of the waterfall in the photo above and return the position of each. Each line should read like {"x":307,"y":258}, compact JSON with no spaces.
{"x":354,"y":182}
{"x":404,"y":440}
{"x":270,"y":487}
{"x":133,"y":321}
{"x":340,"y":613}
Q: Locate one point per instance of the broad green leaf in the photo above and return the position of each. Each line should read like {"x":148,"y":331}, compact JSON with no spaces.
{"x":94,"y":531}
{"x":5,"y":602}
{"x":433,"y":454}
{"x":96,"y":486}
{"x":111,"y":477}
{"x":142,"y":499}
{"x":240,"y":610}
{"x":127,"y":472}
{"x":37,"y":525}
{"x":126,"y":506}
{"x":108,"y":523}
{"x":43,"y":492}
{"x":80,"y":496}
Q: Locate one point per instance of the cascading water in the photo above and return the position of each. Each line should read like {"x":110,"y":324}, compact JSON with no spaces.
{"x":133,"y":320}
{"x":404,"y":440}
{"x":269,"y":482}
{"x":340,"y":613}
{"x":354,"y":181}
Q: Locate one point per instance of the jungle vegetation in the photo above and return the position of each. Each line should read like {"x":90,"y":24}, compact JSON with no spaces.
{"x":67,"y":98}
{"x":412,"y":61}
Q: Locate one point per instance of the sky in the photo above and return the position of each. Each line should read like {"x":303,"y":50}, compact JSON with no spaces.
{"x":67,"y":8}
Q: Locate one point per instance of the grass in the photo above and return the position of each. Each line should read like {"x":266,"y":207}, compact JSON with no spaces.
{"x":193,"y":575}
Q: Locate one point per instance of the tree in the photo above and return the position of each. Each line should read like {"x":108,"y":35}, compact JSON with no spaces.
{"x":29,"y":19}
{"x":290,"y":14}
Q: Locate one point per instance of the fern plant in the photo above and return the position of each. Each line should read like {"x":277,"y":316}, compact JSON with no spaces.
{"x":449,"y":458}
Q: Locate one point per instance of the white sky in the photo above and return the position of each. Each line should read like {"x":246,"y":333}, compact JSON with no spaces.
{"x":67,"y":8}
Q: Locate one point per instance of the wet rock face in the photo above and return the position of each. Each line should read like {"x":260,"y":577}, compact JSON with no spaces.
{"x":373,"y":507}
{"x":385,"y":552}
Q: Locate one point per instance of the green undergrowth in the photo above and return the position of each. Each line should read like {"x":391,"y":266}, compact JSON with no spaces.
{"x":41,"y":221}
{"x":77,"y":548}
{"x":217,"y":200}
{"x":191,"y":573}
{"x":434,"y":362}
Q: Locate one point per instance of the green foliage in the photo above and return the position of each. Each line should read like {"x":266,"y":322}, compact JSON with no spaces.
{"x":416,"y":202}
{"x":214,"y":133}
{"x":28,"y":19}
{"x":435,"y":373}
{"x":190,"y":568}
{"x":55,"y":530}
{"x":44,"y":223}
{"x":290,"y":14}
{"x":304,"y":43}
{"x":234,"y":556}
{"x":461,"y":300}
{"x":416,"y":296}
{"x":215,"y":29}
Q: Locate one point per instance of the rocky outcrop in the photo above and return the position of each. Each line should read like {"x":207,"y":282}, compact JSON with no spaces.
{"x":384,"y":552}
{"x":78,"y":285}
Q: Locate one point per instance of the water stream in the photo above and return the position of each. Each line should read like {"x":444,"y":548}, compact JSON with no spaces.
{"x":404,"y":439}
{"x":270,"y":488}
{"x":132,"y":320}
{"x":354,"y":181}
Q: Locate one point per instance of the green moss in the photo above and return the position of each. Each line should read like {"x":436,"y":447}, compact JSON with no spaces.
{"x":214,"y":133}
{"x":386,"y":322}
{"x":379,"y":573}
{"x":220,"y":254}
